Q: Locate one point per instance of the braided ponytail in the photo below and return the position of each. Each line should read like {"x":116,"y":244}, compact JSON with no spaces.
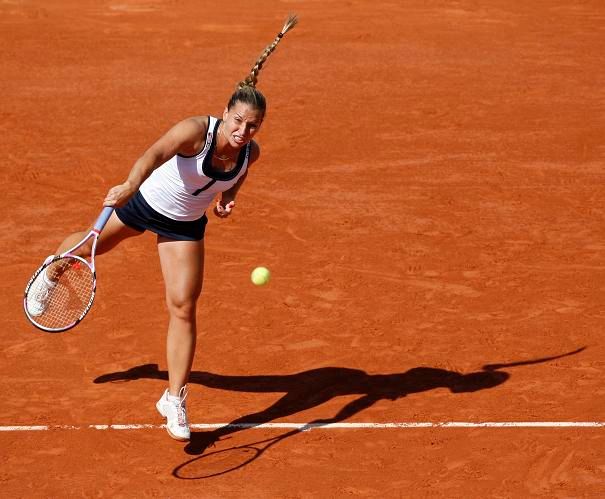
{"x":246,"y":90}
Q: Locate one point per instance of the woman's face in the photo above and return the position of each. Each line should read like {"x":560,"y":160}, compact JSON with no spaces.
{"x":240,"y":124}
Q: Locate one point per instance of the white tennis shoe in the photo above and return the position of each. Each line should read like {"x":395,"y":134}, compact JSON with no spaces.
{"x":174,"y":409}
{"x":39,"y":295}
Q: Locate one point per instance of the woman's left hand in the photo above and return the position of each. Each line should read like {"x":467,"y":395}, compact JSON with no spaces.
{"x":224,"y":211}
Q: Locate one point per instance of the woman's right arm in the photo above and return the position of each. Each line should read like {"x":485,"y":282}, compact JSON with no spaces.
{"x":186,"y":138}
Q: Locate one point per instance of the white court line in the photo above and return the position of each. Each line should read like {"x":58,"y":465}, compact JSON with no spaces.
{"x":312,"y":426}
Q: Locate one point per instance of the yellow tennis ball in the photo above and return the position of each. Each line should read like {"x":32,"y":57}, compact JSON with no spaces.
{"x":260,"y":276}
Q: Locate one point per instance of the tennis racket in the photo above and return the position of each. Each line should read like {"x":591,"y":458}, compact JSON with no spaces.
{"x":61,"y":291}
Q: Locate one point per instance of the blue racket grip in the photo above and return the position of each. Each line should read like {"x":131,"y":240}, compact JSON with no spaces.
{"x":103,"y":217}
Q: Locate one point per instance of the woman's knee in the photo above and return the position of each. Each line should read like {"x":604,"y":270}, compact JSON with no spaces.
{"x":182,"y":307}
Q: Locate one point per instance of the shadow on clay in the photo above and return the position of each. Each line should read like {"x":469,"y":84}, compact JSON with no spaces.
{"x":309,"y":389}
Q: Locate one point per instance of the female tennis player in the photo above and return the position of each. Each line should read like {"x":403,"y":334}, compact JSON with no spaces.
{"x":167,"y":192}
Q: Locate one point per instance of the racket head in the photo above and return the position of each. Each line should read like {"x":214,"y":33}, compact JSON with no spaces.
{"x":63,"y":305}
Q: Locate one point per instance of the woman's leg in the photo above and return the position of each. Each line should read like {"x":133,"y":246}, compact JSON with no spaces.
{"x":114,"y":232}
{"x":183,"y":268}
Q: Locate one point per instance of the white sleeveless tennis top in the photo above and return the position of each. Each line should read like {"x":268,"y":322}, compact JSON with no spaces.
{"x":184,"y":186}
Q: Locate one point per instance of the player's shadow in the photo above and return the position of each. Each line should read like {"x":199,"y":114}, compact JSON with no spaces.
{"x":308,"y":389}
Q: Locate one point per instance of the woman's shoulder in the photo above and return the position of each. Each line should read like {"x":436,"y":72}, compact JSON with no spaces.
{"x":198,"y":123}
{"x":190,"y":133}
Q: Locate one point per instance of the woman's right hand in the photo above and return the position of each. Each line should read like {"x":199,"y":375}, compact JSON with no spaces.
{"x":119,"y":195}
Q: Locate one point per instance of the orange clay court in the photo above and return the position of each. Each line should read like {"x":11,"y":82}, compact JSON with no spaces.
{"x":429,"y":201}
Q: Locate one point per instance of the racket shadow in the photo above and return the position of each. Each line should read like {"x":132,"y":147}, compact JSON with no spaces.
{"x":220,"y":462}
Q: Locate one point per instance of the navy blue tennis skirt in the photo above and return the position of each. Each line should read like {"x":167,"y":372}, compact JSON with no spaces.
{"x":138,"y":215}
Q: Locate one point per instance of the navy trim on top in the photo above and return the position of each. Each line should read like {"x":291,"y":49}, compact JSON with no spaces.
{"x":215,"y":174}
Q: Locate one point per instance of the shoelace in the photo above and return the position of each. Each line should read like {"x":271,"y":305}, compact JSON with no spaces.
{"x":181,"y":413}
{"x":42,"y":295}
{"x":43,"y":290}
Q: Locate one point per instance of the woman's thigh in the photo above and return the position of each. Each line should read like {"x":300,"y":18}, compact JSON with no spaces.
{"x":113,"y":233}
{"x":182,"y":265}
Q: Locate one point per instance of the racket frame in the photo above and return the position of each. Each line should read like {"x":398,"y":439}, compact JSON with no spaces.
{"x":93,"y":233}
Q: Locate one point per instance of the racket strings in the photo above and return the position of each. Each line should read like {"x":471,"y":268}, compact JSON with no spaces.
{"x":66,"y":301}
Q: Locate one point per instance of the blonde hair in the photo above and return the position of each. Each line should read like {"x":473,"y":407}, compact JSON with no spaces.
{"x":245,"y":90}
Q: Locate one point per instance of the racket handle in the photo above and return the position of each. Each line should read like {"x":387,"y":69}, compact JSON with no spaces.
{"x":103,"y":217}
